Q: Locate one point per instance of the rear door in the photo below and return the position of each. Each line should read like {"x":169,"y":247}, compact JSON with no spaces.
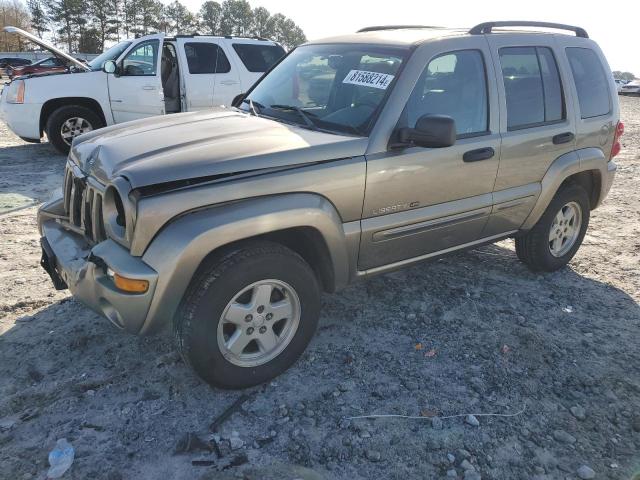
{"x":210,"y":78}
{"x":255,"y":57}
{"x":537,"y":122}
{"x":136,"y":91}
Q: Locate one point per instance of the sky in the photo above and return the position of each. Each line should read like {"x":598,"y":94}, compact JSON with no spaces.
{"x":611,"y":25}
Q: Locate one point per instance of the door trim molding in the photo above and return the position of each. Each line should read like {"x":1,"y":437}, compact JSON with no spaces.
{"x":425,"y":226}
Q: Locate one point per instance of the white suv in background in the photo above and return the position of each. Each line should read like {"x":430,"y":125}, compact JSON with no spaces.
{"x":151,"y":75}
{"x":631,"y":88}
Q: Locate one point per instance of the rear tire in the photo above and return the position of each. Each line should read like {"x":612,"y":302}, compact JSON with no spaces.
{"x":242,"y":296}
{"x":69,"y":121}
{"x":555,"y":239}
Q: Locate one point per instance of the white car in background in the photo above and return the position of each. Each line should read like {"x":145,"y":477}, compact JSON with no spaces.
{"x":619,"y":83}
{"x":151,"y":75}
{"x":631,"y":88}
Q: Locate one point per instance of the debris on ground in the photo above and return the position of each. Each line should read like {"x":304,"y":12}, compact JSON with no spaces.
{"x":60,"y":459}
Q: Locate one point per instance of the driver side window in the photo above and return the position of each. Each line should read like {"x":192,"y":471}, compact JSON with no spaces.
{"x":453,"y":84}
{"x":142,"y":60}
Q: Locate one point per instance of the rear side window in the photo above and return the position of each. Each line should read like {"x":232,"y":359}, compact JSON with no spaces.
{"x":591,"y":82}
{"x":532,"y":87}
{"x":258,"y":58}
{"x":206,"y":58}
{"x":453,"y":84}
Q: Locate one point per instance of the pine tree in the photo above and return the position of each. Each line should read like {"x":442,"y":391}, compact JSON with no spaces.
{"x":38,"y":17}
{"x":103,"y":14}
{"x":210,"y":17}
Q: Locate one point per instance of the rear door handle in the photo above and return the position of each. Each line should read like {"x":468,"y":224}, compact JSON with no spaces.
{"x":149,"y":87}
{"x":229,"y":82}
{"x":479,"y":154}
{"x":565,"y":137}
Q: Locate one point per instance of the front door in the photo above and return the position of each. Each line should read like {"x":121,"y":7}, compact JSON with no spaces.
{"x":210,"y":78}
{"x":424,"y":200}
{"x":136,"y":91}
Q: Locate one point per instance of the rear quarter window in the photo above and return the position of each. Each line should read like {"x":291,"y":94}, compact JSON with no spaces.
{"x":591,"y":82}
{"x":258,"y":58}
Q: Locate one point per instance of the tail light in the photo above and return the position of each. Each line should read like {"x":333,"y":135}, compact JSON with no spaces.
{"x":615,"y":149}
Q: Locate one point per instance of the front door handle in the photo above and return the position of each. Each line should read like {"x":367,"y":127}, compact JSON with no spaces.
{"x":479,"y":154}
{"x":149,"y":87}
{"x":565,"y":137}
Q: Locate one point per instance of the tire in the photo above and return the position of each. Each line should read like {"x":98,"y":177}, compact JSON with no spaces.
{"x":90,"y":121}
{"x":202,"y":334}
{"x":535,"y":248}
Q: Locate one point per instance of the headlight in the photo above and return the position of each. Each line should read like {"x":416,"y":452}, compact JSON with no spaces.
{"x":118,"y":212}
{"x":16,"y":92}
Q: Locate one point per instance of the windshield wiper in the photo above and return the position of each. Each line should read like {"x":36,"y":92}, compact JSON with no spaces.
{"x":304,"y":115}
{"x":253,"y":105}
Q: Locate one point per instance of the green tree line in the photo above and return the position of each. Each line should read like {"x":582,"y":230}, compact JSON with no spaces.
{"x":88,"y":25}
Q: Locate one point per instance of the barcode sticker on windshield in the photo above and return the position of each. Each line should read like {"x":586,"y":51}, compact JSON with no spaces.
{"x":368,"y":79}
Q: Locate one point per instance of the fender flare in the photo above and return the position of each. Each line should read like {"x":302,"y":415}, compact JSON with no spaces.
{"x":181,"y":246}
{"x":571,"y":163}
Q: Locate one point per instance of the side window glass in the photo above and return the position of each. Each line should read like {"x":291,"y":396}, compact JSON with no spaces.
{"x":532,"y":87}
{"x":453,"y":84}
{"x":591,"y":82}
{"x":142,"y":60}
{"x":206,"y":58}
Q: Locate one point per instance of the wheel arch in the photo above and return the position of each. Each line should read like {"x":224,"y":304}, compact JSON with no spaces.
{"x":585,"y":167}
{"x":52,"y":105}
{"x":307,"y":223}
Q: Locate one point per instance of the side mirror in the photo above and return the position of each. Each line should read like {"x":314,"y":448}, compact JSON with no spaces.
{"x":109,"y":67}
{"x":431,"y":131}
{"x":237,"y":100}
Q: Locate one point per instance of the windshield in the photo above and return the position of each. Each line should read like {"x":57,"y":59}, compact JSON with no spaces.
{"x":111,"y":54}
{"x":340,"y":88}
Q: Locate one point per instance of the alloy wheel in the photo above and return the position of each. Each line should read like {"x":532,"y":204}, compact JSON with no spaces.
{"x":258,"y":323}
{"x":565,"y":229}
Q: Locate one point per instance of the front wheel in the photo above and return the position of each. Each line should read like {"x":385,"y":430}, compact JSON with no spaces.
{"x":248,"y":315}
{"x":68,"y":122}
{"x":555,"y":239}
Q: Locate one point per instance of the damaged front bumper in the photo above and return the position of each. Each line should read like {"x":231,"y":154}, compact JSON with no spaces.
{"x":74,"y":263}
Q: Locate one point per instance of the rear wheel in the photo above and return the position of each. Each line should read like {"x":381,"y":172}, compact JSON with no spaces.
{"x":248,"y":316}
{"x":68,"y":122}
{"x":555,"y":239}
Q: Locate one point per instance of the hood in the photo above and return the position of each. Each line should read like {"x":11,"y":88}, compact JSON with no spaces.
{"x":206,"y":144}
{"x":47,"y":46}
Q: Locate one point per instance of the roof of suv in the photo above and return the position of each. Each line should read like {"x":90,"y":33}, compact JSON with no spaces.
{"x":401,"y":36}
{"x":405,"y":35}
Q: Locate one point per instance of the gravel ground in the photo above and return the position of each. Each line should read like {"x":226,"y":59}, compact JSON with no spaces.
{"x":473,"y":333}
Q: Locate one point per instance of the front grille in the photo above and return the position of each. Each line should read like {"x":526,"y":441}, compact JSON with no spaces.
{"x":83,"y":205}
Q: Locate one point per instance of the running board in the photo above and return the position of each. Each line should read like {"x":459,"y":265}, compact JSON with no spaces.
{"x":360,"y":274}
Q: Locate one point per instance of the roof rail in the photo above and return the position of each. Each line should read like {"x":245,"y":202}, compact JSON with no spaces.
{"x":393,"y":27}
{"x":488,"y":26}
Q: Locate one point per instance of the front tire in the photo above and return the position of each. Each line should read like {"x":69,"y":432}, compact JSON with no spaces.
{"x":67,"y":122}
{"x":248,"y":315}
{"x":555,"y":239}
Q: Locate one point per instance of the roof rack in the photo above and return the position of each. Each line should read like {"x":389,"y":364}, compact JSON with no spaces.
{"x":488,"y":26}
{"x":393,"y":27}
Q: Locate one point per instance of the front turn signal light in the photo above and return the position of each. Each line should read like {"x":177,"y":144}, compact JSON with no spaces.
{"x":129,"y":285}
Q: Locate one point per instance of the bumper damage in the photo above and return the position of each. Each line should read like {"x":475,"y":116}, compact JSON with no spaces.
{"x":73,"y":263}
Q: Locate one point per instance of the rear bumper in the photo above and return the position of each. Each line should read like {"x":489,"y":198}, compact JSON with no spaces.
{"x":607,"y":180}
{"x":22,"y":118}
{"x":83,"y":269}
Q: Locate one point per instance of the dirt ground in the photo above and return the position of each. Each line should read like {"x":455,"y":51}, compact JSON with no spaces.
{"x":495,"y":339}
